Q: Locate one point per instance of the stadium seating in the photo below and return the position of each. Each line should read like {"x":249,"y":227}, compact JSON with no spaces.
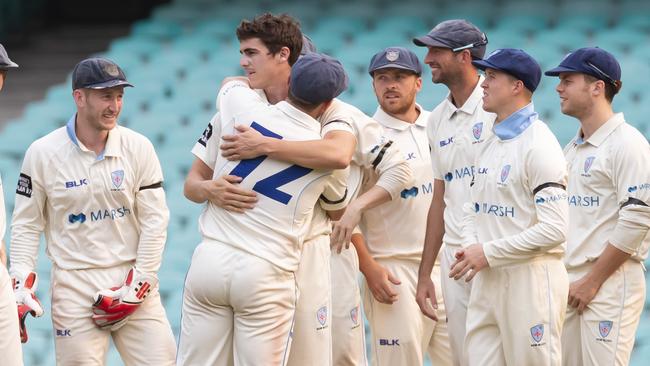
{"x":178,"y":57}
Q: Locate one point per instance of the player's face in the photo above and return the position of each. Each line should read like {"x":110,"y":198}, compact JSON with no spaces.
{"x":497,"y":90}
{"x":101,"y":107}
{"x":396,"y":89}
{"x":444,"y":64}
{"x":258,"y":63}
{"x":574,"y":91}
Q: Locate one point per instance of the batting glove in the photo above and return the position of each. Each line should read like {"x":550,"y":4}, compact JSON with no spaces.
{"x":112,"y":307}
{"x":26,"y":300}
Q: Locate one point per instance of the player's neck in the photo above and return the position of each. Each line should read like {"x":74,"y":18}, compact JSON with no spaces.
{"x":92,"y":138}
{"x":594,"y":118}
{"x":279,"y":89}
{"x":410,"y":115}
{"x":463,"y":87}
{"x":508,"y":110}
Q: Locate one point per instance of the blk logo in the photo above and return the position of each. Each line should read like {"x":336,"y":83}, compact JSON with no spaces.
{"x":76,"y":183}
{"x":63,"y":333}
{"x":389,"y":342}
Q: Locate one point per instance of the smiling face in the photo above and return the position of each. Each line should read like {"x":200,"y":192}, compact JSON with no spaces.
{"x":100,"y":107}
{"x":575,"y":93}
{"x":396,"y":89}
{"x":259,"y":64}
{"x":444,"y":63}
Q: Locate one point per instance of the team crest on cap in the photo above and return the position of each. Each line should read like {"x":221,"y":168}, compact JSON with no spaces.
{"x":111,"y":70}
{"x":321,"y":315}
{"x":477,"y":130}
{"x":537,"y":332}
{"x":392,"y":55}
{"x":354,"y":315}
{"x":504,"y":173}
{"x":604,"y":327}
{"x":588,"y":163}
{"x":117,"y":177}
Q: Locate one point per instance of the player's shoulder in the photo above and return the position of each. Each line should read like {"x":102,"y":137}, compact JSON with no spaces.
{"x":132,"y":142}
{"x":51,"y":142}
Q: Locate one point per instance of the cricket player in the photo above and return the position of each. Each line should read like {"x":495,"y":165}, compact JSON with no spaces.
{"x":10,"y":341}
{"x":95,"y":189}
{"x":517,"y":220}
{"x":246,"y":314}
{"x":609,"y":217}
{"x":457,"y":130}
{"x":393,"y":234}
{"x":268,"y":73}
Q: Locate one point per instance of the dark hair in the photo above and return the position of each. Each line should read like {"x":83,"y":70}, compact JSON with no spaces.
{"x":611,"y":89}
{"x":275,"y":32}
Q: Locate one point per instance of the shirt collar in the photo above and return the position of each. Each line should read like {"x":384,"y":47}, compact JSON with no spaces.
{"x":471,"y":103}
{"x":389,"y":121}
{"x":516,"y":123}
{"x":297,"y":114}
{"x":602,"y":132}
{"x":112,"y":147}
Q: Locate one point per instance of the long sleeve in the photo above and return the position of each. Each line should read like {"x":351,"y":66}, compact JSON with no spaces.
{"x":28,"y":221}
{"x":152,"y":212}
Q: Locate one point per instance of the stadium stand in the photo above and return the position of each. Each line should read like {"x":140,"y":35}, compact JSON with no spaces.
{"x":178,"y":56}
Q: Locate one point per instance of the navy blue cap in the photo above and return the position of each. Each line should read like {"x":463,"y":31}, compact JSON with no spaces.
{"x":317,"y":78}
{"x":5,"y":61}
{"x":307,"y":45}
{"x":98,"y":73}
{"x":514,"y":62}
{"x":592,"y":61}
{"x":396,"y":58}
{"x":456,"y":34}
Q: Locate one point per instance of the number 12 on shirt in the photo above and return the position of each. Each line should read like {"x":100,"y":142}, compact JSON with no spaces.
{"x":269,"y":185}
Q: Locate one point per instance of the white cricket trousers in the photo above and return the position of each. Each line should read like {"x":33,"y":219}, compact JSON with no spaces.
{"x":400,"y":333}
{"x":516,"y":312}
{"x":11,"y":351}
{"x":146,"y":338}
{"x":237,"y":309}
{"x":604,"y":333}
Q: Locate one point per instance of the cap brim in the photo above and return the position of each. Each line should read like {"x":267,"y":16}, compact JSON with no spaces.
{"x":484,"y":64}
{"x":394,"y":66}
{"x":426,"y":41}
{"x":558,"y":70}
{"x":9,"y":65}
{"x":109,"y":84}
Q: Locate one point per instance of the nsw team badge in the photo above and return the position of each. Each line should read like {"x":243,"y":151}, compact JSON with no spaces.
{"x":604,"y":328}
{"x":117,"y":177}
{"x":537,"y":333}
{"x":321,"y":315}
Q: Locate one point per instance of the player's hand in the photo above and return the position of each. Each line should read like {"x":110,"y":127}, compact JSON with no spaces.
{"x":112,"y":307}
{"x":581,"y":292}
{"x":342,"y":229}
{"x":425,"y":296}
{"x":469,"y":261}
{"x":24,"y":290}
{"x":225,"y":193}
{"x":379,"y":281}
{"x":248,"y":143}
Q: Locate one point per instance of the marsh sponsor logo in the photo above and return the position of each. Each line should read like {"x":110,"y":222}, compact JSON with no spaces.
{"x":584,"y":201}
{"x":494,"y":209}
{"x":109,"y":214}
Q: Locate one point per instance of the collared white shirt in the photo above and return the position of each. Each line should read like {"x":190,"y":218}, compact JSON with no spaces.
{"x":96,"y":211}
{"x":519,"y":191}
{"x":456,"y":136}
{"x":396,"y":229}
{"x":605,"y":172}
{"x":276,"y":228}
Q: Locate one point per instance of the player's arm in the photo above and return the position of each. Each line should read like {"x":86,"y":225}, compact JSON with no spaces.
{"x":333,"y":151}
{"x":3,"y":226}
{"x":426,"y":293}
{"x":629,"y":166}
{"x":28,"y":222}
{"x":379,"y":279}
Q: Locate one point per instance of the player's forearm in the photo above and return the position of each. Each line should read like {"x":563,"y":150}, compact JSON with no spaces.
{"x":435,"y":231}
{"x":373,"y":197}
{"x":365,"y":258}
{"x":195,"y":182}
{"x":153,"y":217}
{"x":608,"y":262}
{"x":315,"y":154}
{"x":394,"y":175}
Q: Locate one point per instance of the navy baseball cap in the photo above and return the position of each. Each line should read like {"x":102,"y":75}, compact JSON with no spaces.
{"x":98,"y":73}
{"x":592,"y":61}
{"x":5,"y":61}
{"x":515,"y":62}
{"x":396,"y":58}
{"x":317,"y":78}
{"x":457,"y":35}
{"x":307,"y":45}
